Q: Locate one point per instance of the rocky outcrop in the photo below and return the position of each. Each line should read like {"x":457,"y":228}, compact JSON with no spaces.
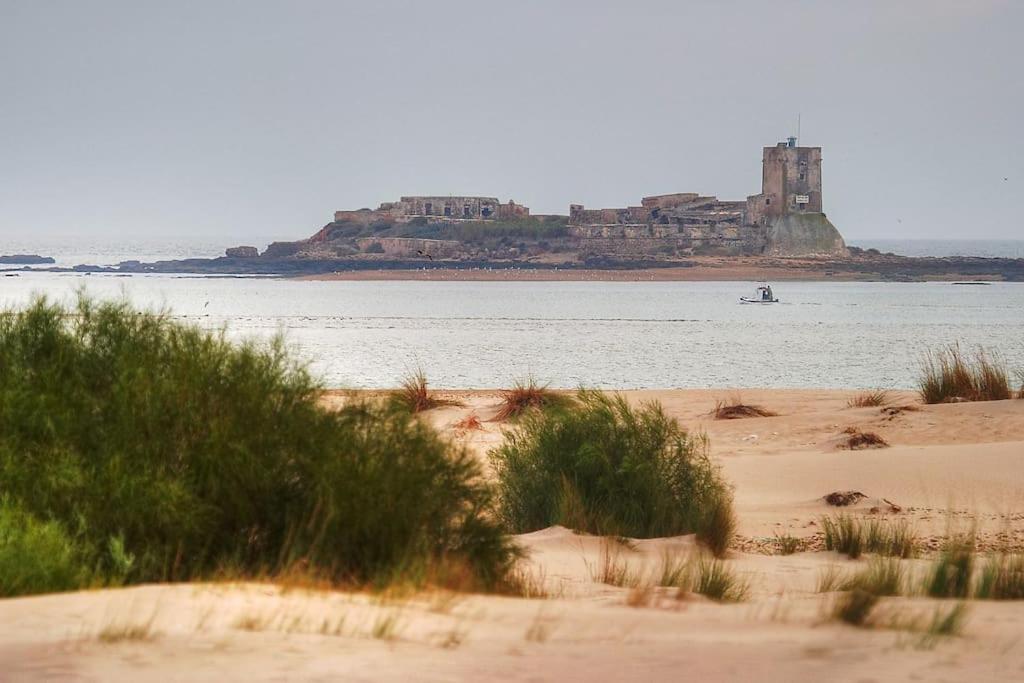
{"x":242,"y":252}
{"x":26,"y":260}
{"x":804,"y":234}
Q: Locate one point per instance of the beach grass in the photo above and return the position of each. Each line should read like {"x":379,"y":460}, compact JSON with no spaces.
{"x":856,"y":440}
{"x":604,"y":467}
{"x":137,"y":448}
{"x":950,"y":374}
{"x":415,"y":397}
{"x":716,"y":580}
{"x":1002,"y":578}
{"x":873,"y":398}
{"x":735,"y":409}
{"x":528,"y":395}
{"x":951,"y":573}
{"x":853,"y":536}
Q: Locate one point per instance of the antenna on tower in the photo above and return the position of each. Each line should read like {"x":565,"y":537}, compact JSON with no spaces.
{"x":798,"y":126}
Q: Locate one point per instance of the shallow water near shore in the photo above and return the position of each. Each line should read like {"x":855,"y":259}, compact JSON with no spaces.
{"x":601,"y":334}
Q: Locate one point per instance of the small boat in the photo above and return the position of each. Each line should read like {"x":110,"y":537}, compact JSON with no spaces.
{"x":762,"y":295}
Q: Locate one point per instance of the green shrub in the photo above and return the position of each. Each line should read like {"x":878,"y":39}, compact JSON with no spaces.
{"x":951,"y":374}
{"x":198,"y":455}
{"x":35,"y":556}
{"x":603,"y":467}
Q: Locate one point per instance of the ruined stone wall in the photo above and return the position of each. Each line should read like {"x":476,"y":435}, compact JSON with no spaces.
{"x":663,"y":201}
{"x":410,"y":247}
{"x":653,"y":240}
{"x":470,"y":208}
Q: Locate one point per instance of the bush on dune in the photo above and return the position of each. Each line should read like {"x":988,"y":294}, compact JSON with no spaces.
{"x":36,"y":556}
{"x":192,"y":455}
{"x":603,"y":467}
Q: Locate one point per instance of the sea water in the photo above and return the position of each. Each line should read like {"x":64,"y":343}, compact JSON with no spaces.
{"x":600,"y":334}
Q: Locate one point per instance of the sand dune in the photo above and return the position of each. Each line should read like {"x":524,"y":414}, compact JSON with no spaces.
{"x":948,"y":466}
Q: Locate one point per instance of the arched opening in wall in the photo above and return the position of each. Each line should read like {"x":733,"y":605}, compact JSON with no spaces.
{"x":466,"y":211}
{"x":428,"y":208}
{"x":447,"y":209}
{"x":485,"y":211}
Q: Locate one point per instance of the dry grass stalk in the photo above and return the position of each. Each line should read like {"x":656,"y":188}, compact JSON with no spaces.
{"x":857,"y":440}
{"x":416,"y":398}
{"x":527,"y":395}
{"x":736,"y":409}
{"x":951,"y":375}
{"x":470,"y":423}
{"x":869,"y":399}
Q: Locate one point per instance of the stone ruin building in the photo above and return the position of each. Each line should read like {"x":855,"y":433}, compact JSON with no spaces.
{"x":441,"y":209}
{"x":785,"y":219}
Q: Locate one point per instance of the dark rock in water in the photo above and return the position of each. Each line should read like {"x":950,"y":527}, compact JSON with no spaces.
{"x":844,"y":498}
{"x":26,"y":259}
{"x":242,"y":252}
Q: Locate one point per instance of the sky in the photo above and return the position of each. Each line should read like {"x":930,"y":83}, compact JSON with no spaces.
{"x":252,"y":121}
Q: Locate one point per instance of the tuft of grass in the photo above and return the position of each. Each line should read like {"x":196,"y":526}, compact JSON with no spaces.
{"x":528,"y":395}
{"x":830,"y":579}
{"x":385,"y":626}
{"x":524,"y":583}
{"x":1002,"y":578}
{"x":136,"y":448}
{"x":414,"y":396}
{"x":119,"y":633}
{"x":882,"y":577}
{"x":613,"y":569}
{"x":945,"y":623}
{"x":855,"y":606}
{"x":606,"y":468}
{"x":950,"y":575}
{"x":714,"y":579}
{"x":788,"y":544}
{"x":892,"y":538}
{"x":735,"y":410}
{"x":851,"y":536}
{"x":951,"y":374}
{"x":874,"y":398}
{"x":470,"y":423}
{"x":843,"y":534}
{"x":640,"y":595}
{"x":857,"y":440}
{"x":674,"y":571}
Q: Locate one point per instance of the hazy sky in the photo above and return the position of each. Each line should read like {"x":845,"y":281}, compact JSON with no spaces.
{"x":252,"y":121}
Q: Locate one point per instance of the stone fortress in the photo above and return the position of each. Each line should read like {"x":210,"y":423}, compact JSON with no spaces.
{"x":785,"y":219}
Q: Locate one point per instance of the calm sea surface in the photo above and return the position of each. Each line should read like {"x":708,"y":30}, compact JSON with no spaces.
{"x":604,"y":334}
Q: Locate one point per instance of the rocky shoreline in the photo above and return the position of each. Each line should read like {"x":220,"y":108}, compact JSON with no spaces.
{"x":866,"y":267}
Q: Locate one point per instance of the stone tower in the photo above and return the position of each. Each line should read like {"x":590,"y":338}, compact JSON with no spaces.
{"x":791,"y":179}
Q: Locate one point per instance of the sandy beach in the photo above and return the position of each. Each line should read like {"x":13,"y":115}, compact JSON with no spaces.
{"x":948,"y":467}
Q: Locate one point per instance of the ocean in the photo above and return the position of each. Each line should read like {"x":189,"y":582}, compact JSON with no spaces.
{"x":599,"y":334}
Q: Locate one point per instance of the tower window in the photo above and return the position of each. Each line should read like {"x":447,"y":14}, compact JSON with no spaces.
{"x":767,"y":201}
{"x":803,"y":176}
